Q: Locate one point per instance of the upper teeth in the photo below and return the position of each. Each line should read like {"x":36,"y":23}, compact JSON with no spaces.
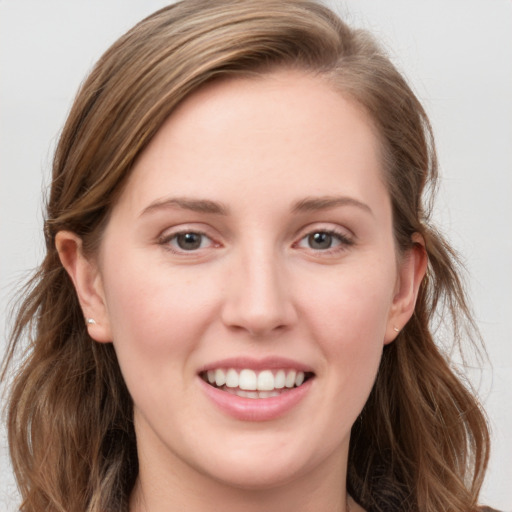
{"x":266,"y":380}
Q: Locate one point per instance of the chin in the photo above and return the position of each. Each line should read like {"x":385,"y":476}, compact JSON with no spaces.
{"x":263,"y":467}
{"x":252,"y":477}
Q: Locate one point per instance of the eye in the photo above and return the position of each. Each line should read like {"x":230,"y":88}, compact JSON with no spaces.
{"x":324,"y":240}
{"x":189,"y":241}
{"x":321,"y":240}
{"x":186,"y":241}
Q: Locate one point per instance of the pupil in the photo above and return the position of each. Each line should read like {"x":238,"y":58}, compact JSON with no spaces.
{"x":189,"y":241}
{"x":320,"y":240}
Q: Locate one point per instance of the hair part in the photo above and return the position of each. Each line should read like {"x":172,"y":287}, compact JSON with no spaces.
{"x":421,"y":442}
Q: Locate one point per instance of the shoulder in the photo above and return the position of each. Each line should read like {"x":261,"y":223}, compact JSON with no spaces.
{"x":488,"y":509}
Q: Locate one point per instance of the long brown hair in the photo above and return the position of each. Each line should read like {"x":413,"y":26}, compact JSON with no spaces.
{"x":421,"y":442}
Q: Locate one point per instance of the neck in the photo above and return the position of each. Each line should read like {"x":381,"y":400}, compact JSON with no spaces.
{"x":236,"y":500}
{"x":317,"y":491}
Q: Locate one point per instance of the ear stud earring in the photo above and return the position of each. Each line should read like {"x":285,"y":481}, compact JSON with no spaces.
{"x":396,"y":329}
{"x":91,"y":321}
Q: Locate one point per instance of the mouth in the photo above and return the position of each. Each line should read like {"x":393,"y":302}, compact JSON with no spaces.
{"x":248,"y":383}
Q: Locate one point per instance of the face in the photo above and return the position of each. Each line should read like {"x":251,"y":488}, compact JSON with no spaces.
{"x":249,"y":280}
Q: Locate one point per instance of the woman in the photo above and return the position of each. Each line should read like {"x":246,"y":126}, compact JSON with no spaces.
{"x":240,"y":276}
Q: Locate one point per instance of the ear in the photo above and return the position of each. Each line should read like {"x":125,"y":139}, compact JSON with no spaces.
{"x":411,"y":271}
{"x":88,"y":284}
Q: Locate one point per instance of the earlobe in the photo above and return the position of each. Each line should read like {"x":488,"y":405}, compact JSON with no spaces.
{"x":87,"y":282}
{"x":411,"y":272}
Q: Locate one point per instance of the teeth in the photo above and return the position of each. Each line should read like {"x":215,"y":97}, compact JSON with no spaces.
{"x":232,"y":378}
{"x":255,"y":385}
{"x":220,"y":378}
{"x":265,"y":381}
{"x":248,"y":380}
{"x":251,"y":394}
{"x":280,"y":379}
{"x":290,"y":379}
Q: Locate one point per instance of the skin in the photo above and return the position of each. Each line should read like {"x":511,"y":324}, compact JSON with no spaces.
{"x":255,"y":287}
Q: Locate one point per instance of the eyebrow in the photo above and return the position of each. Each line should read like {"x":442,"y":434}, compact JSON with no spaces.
{"x":311,"y":204}
{"x":308,"y":204}
{"x":186,"y":203}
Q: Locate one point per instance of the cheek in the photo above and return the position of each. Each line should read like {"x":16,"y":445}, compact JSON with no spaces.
{"x":150,"y":303}
{"x":156,"y":330}
{"x":349,"y":320}
{"x":353,"y":338}
{"x":157,"y":318}
{"x":351,"y":306}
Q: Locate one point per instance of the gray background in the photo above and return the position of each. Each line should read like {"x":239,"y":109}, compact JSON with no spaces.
{"x":456,"y":53}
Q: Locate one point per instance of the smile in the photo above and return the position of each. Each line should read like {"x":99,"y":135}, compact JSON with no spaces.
{"x":248,"y":383}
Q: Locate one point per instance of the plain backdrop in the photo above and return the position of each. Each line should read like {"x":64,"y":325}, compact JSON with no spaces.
{"x":456,"y":53}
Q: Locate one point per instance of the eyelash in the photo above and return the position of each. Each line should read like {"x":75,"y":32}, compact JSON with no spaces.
{"x":166,"y":241}
{"x":344,"y":242}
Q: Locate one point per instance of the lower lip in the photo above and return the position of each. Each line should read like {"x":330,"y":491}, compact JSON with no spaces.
{"x":256,"y":409}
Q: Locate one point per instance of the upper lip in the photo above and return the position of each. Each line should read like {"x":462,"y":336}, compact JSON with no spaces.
{"x":266,"y":363}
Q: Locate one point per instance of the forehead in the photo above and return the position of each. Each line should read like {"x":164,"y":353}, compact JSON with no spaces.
{"x":287,"y":129}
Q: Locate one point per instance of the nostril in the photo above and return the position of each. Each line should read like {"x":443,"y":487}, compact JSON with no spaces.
{"x":258,"y":303}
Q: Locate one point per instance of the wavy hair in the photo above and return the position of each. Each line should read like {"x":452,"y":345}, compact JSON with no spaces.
{"x":421,"y":442}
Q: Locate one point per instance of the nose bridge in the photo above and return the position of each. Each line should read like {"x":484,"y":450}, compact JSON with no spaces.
{"x":259,"y":300}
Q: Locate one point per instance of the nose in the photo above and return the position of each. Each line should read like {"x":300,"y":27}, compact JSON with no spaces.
{"x":258,"y":298}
